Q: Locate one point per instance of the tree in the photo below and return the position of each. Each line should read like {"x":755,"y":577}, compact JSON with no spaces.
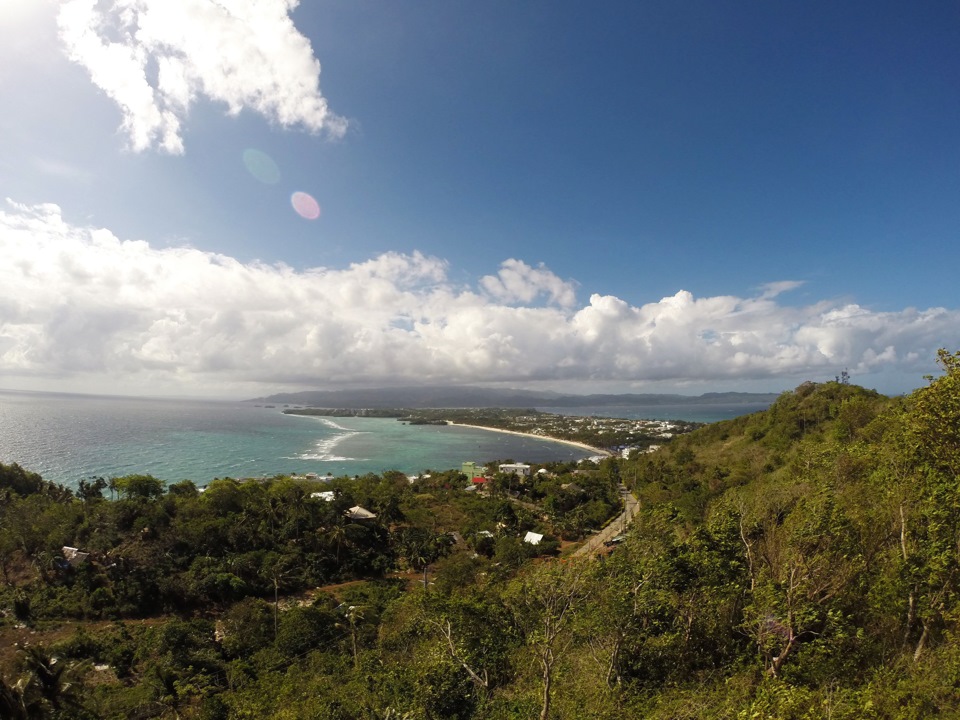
{"x":544,"y":601}
{"x":278,"y":569}
{"x":48,"y":687}
{"x":91,"y":489}
{"x":625,"y":608}
{"x":934,"y":419}
{"x":139,"y":487}
{"x":247,"y":627}
{"x":14,"y":702}
{"x":475,"y":634}
{"x":421,"y":548}
{"x":303,"y":629}
{"x":806,"y":559}
{"x":930,"y":542}
{"x":20,"y":481}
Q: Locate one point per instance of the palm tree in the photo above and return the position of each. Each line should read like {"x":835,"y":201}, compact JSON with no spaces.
{"x":13,"y":702}
{"x":54,"y":680}
{"x":421,"y":548}
{"x":337,"y":535}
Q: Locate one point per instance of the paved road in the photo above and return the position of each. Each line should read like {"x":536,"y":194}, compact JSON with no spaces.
{"x":594,"y":545}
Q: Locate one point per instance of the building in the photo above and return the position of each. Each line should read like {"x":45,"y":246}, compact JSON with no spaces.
{"x":517,"y":468}
{"x":359,"y":513}
{"x":533,"y":538}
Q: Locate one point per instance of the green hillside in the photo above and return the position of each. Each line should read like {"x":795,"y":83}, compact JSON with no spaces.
{"x":802,"y":562}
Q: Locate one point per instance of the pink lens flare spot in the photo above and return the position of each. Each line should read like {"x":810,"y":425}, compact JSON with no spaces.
{"x":305,"y":205}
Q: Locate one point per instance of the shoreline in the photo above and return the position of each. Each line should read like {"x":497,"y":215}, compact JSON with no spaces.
{"x":574,"y":443}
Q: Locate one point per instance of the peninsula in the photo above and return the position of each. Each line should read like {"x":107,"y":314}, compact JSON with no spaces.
{"x":599,"y":434}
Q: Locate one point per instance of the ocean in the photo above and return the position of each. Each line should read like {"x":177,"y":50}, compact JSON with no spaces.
{"x":67,"y":438}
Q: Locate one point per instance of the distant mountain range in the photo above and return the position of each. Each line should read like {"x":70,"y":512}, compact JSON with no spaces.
{"x":476,"y":397}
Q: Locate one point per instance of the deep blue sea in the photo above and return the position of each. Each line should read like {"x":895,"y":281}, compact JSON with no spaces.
{"x":66,"y":438}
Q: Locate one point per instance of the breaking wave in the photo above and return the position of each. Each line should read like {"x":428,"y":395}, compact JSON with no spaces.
{"x":323,"y":450}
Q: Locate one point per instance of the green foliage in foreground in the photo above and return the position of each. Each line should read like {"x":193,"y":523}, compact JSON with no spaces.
{"x":796,"y":563}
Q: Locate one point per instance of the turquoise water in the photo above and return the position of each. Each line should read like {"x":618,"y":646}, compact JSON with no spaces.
{"x":66,"y":438}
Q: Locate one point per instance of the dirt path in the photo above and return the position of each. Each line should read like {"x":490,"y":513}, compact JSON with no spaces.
{"x":595,"y":545}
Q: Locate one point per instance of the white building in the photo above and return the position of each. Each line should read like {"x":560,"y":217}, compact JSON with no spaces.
{"x":518,"y":468}
{"x":533,"y":538}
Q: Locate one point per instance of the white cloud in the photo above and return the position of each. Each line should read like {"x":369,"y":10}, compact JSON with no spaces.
{"x":771,"y":290}
{"x":518,"y":282}
{"x":155,"y":57}
{"x":80,"y":305}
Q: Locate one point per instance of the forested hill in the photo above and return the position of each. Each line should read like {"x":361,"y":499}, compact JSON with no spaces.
{"x":814,"y":428}
{"x":816,"y":545}
{"x":798,"y":563}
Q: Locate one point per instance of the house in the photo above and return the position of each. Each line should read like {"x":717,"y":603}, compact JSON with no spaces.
{"x":73,"y":556}
{"x":517,"y":468}
{"x":480,"y":483}
{"x":326,"y":495}
{"x":471,"y":469}
{"x":359,"y":513}
{"x":533,"y":538}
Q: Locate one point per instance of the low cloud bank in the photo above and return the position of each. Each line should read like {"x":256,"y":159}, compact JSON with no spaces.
{"x":79,"y":302}
{"x":154,"y":58}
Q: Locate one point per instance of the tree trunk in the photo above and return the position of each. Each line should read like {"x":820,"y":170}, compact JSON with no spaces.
{"x":446,"y":629}
{"x":912,"y":599}
{"x":778,"y":661}
{"x":613,"y":669}
{"x":749,"y":549}
{"x":353,"y":643}
{"x":547,"y":680}
{"x":276,"y":606}
{"x":911,"y":616}
{"x":923,"y":641}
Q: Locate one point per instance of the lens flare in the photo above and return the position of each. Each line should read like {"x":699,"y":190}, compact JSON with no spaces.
{"x":305,"y":205}
{"x":261,"y":166}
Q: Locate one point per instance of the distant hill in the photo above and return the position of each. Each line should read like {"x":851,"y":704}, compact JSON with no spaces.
{"x":477,"y":397}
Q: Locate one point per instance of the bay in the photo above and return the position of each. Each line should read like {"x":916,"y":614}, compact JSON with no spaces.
{"x":67,"y":437}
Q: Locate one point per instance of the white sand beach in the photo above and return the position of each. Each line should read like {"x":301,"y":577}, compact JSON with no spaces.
{"x":574,"y":443}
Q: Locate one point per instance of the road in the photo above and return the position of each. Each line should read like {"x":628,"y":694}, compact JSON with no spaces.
{"x":595,"y":544}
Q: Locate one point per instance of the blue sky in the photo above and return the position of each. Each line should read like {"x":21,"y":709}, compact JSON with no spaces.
{"x":618,"y":196}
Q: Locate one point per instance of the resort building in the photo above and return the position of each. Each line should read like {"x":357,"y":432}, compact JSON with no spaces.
{"x":517,"y":468}
{"x":471,"y":469}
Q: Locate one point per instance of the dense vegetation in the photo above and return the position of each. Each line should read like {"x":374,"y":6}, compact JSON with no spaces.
{"x":249,"y":555}
{"x":802,"y":562}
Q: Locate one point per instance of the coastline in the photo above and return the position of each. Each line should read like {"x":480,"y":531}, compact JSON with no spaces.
{"x":574,"y":443}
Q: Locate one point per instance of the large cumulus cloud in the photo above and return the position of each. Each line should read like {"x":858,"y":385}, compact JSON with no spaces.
{"x":154,"y":58}
{"x":81,"y":302}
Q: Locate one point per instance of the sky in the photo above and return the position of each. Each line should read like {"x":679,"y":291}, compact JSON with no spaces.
{"x":226,"y":198}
